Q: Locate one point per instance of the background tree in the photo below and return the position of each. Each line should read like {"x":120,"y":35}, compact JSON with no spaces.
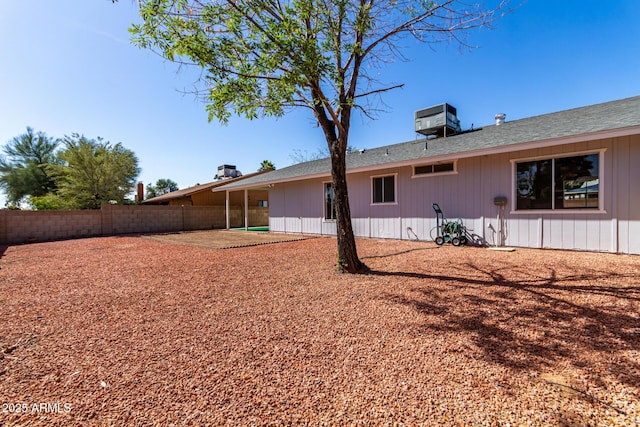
{"x":51,"y":201}
{"x":266,"y":165}
{"x":300,"y":156}
{"x":95,"y":172}
{"x":264,"y":57}
{"x":162,"y":186}
{"x":25,"y":167}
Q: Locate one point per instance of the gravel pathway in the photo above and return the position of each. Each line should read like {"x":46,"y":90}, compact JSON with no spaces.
{"x":135,"y":331}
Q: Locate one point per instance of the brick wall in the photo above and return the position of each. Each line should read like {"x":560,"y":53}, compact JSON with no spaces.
{"x":34,"y":226}
{"x":39,"y":226}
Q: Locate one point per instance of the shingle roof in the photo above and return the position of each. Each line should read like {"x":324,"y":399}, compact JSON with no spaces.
{"x":197,"y":188}
{"x":510,"y":136}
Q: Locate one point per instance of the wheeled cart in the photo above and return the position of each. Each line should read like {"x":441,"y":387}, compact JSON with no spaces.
{"x":447,"y":231}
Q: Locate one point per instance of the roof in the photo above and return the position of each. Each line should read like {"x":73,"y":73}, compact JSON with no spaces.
{"x":614,"y":118}
{"x":185,"y":192}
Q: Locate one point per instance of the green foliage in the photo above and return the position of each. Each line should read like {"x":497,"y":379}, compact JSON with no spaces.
{"x":162,"y":186}
{"x":25,"y":167}
{"x":82,"y":175}
{"x":262,"y":57}
{"x":257,"y":55}
{"x":50,"y":201}
{"x":95,"y":172}
{"x":266,"y":165}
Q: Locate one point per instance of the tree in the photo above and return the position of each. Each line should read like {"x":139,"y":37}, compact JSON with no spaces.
{"x":300,"y":156}
{"x":266,"y":165}
{"x":25,"y":168}
{"x":162,"y":186}
{"x":265,"y":57}
{"x":95,"y":172}
{"x":51,"y":201}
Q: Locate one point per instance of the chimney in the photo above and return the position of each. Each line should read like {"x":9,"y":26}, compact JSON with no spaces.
{"x":500,"y":118}
{"x":140,"y":195}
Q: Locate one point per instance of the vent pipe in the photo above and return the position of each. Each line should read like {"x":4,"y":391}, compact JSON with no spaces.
{"x":500,"y":118}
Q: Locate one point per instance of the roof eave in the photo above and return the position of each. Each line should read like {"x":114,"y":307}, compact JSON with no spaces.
{"x":507,"y":148}
{"x":211,"y":186}
{"x":272,"y":182}
{"x":517,"y":146}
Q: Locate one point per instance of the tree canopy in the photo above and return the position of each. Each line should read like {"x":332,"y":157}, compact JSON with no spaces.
{"x":95,"y":172}
{"x":264,"y":57}
{"x":266,"y":165}
{"x":72,"y":173}
{"x":25,"y":166}
{"x":162,"y":186}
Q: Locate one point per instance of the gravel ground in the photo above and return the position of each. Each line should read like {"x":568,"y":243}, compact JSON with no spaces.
{"x":225,"y":239}
{"x":135,"y":331}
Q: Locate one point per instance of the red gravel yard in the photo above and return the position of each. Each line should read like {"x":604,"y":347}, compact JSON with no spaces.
{"x":136,"y":331}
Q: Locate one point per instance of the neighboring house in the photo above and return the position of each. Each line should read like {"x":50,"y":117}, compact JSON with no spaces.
{"x":253,"y":211}
{"x":570,"y":180}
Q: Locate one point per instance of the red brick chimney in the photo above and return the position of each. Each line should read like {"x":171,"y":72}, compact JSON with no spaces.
{"x":140,"y":195}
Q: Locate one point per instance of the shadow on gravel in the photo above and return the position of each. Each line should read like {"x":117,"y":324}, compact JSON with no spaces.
{"x":534,"y":322}
{"x":3,"y":249}
{"x":396,"y":253}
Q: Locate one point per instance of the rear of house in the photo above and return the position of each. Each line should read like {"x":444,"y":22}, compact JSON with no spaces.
{"x":229,"y":211}
{"x":570,"y":180}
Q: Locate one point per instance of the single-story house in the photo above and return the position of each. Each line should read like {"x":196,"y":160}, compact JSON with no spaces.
{"x":234,"y":209}
{"x":571,"y":180}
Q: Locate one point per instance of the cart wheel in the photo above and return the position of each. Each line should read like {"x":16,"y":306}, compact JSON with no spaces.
{"x":456,"y":241}
{"x":439,"y":240}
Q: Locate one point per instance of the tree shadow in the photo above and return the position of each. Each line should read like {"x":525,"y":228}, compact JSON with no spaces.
{"x":398,"y":253}
{"x":527,"y":320}
{"x":3,"y":249}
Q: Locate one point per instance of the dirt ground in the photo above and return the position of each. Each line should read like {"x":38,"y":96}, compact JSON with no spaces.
{"x":225,"y":239}
{"x":149,"y":331}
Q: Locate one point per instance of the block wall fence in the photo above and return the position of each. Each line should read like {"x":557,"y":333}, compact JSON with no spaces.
{"x":39,"y":226}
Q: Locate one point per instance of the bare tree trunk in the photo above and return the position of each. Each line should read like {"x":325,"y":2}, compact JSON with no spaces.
{"x":337,"y":142}
{"x":348,"y":259}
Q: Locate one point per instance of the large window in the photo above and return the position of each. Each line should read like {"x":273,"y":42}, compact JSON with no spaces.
{"x":384,"y":189}
{"x":329,"y":202}
{"x":559,"y":183}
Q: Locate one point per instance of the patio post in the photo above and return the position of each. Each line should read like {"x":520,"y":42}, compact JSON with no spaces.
{"x":246,"y":209}
{"x":226,"y":208}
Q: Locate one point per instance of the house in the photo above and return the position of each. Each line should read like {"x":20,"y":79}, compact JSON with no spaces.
{"x":233,"y":211}
{"x":570,"y":180}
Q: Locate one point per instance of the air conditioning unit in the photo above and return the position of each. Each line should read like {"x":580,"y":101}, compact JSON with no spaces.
{"x":227,"y":171}
{"x":439,"y":120}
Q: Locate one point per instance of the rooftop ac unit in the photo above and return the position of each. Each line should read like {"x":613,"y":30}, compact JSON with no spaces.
{"x":439,"y":120}
{"x":227,"y":171}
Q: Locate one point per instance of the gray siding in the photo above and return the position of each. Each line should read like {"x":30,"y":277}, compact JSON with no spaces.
{"x":297,"y":207}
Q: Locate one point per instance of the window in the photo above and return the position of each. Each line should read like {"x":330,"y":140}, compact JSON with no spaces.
{"x":434,"y":168}
{"x":559,"y":183}
{"x":329,"y":202}
{"x":384,"y":189}
{"x":263,"y":203}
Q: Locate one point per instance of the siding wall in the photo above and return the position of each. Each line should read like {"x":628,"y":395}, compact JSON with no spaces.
{"x":297,"y":207}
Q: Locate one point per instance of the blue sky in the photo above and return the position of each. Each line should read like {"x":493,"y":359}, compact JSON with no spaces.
{"x":68,"y":66}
